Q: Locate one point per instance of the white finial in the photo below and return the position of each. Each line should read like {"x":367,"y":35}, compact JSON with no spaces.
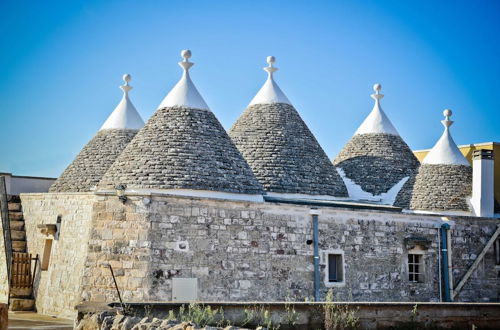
{"x":270,"y":68}
{"x":185,"y":64}
{"x":125,"y":116}
{"x":184,"y":93}
{"x":126,"y":78}
{"x":445,"y":151}
{"x":270,"y":92}
{"x":377,"y":95}
{"x":377,"y":121}
{"x":447,"y":122}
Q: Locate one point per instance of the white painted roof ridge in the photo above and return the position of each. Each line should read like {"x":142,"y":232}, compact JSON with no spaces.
{"x":445,"y":151}
{"x":270,"y":91}
{"x":184,"y":93}
{"x":125,"y":115}
{"x":377,"y":121}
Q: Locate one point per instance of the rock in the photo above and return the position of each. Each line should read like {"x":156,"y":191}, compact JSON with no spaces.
{"x":129,"y":323}
{"x":182,"y":326}
{"x":167,"y":324}
{"x":116,"y":323}
{"x":107,"y":322}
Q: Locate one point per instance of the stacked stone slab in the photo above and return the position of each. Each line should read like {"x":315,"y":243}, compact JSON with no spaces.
{"x":89,"y":166}
{"x":281,"y":150}
{"x":444,"y":180}
{"x":183,"y":147}
{"x":377,"y":158}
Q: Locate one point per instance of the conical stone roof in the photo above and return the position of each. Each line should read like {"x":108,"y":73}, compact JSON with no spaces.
{"x":183,"y":149}
{"x":87,"y":169}
{"x":281,"y":150}
{"x":376,"y":164}
{"x":444,"y":180}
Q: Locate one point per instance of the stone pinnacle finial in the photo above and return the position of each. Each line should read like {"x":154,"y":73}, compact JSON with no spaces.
{"x":126,"y":78}
{"x":447,"y":122}
{"x":270,"y":68}
{"x":377,"y":96}
{"x":185,"y":64}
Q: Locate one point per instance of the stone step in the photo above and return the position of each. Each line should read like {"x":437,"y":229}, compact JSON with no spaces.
{"x":14,"y":206}
{"x":19,"y":246}
{"x":15,"y":215}
{"x":22,"y":304}
{"x":17,"y":225}
{"x":18,"y":235}
{"x":21,"y":292}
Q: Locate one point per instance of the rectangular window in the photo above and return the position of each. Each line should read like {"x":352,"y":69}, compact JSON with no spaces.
{"x":335,"y":268}
{"x":415,"y":268}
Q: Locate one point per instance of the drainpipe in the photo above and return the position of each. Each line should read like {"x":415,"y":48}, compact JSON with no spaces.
{"x":444,"y":262}
{"x":315,"y":213}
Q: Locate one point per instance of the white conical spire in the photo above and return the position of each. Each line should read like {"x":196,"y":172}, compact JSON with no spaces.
{"x":184,"y":93}
{"x":446,"y":151}
{"x":125,"y":116}
{"x":270,"y":91}
{"x":377,"y":121}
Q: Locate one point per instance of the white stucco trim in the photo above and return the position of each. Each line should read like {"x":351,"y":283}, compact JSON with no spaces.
{"x":199,"y":193}
{"x":357,"y":193}
{"x":307,"y":196}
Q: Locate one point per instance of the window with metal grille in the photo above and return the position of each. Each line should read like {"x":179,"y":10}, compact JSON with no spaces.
{"x":335,"y":268}
{"x":415,"y":268}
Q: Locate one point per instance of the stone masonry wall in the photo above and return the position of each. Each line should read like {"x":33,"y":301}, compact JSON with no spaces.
{"x":4,"y":282}
{"x":58,"y":289}
{"x":93,"y":161}
{"x":182,"y":148}
{"x":283,"y":153}
{"x":469,"y":236}
{"x":442,"y":188}
{"x":252,"y":251}
{"x":377,"y":162}
{"x":240,"y":251}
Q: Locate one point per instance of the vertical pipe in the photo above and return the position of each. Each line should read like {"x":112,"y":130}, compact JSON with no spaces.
{"x":444,"y":262}
{"x":314,"y":213}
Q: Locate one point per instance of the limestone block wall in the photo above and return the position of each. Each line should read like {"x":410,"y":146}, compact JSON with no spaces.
{"x":4,"y":282}
{"x":469,"y":236}
{"x":58,"y":289}
{"x":240,"y":251}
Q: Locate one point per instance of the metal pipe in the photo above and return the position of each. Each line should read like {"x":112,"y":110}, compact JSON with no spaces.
{"x":107,"y":265}
{"x":444,"y":262}
{"x":314,"y":213}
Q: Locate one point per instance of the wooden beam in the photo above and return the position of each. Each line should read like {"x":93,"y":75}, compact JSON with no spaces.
{"x":480,"y":257}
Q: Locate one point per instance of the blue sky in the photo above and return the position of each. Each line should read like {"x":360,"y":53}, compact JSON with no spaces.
{"x":61,"y":63}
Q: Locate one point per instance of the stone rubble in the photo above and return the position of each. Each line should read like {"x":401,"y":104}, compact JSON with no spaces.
{"x":110,"y":320}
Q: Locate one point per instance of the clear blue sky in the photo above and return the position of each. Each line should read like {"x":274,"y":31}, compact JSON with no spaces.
{"x":61,"y":63}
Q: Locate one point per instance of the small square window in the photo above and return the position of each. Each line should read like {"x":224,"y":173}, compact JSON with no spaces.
{"x":335,"y":268}
{"x":415,"y":268}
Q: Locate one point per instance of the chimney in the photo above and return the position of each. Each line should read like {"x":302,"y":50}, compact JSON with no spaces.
{"x":482,"y":183}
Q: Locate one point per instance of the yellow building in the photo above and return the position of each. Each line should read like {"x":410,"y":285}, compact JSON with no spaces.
{"x":467,"y":150}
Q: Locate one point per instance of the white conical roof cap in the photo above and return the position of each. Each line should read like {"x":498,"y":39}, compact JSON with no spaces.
{"x":270,"y":91}
{"x":184,"y":93}
{"x":377,"y":121}
{"x":125,"y":115}
{"x":445,"y":151}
